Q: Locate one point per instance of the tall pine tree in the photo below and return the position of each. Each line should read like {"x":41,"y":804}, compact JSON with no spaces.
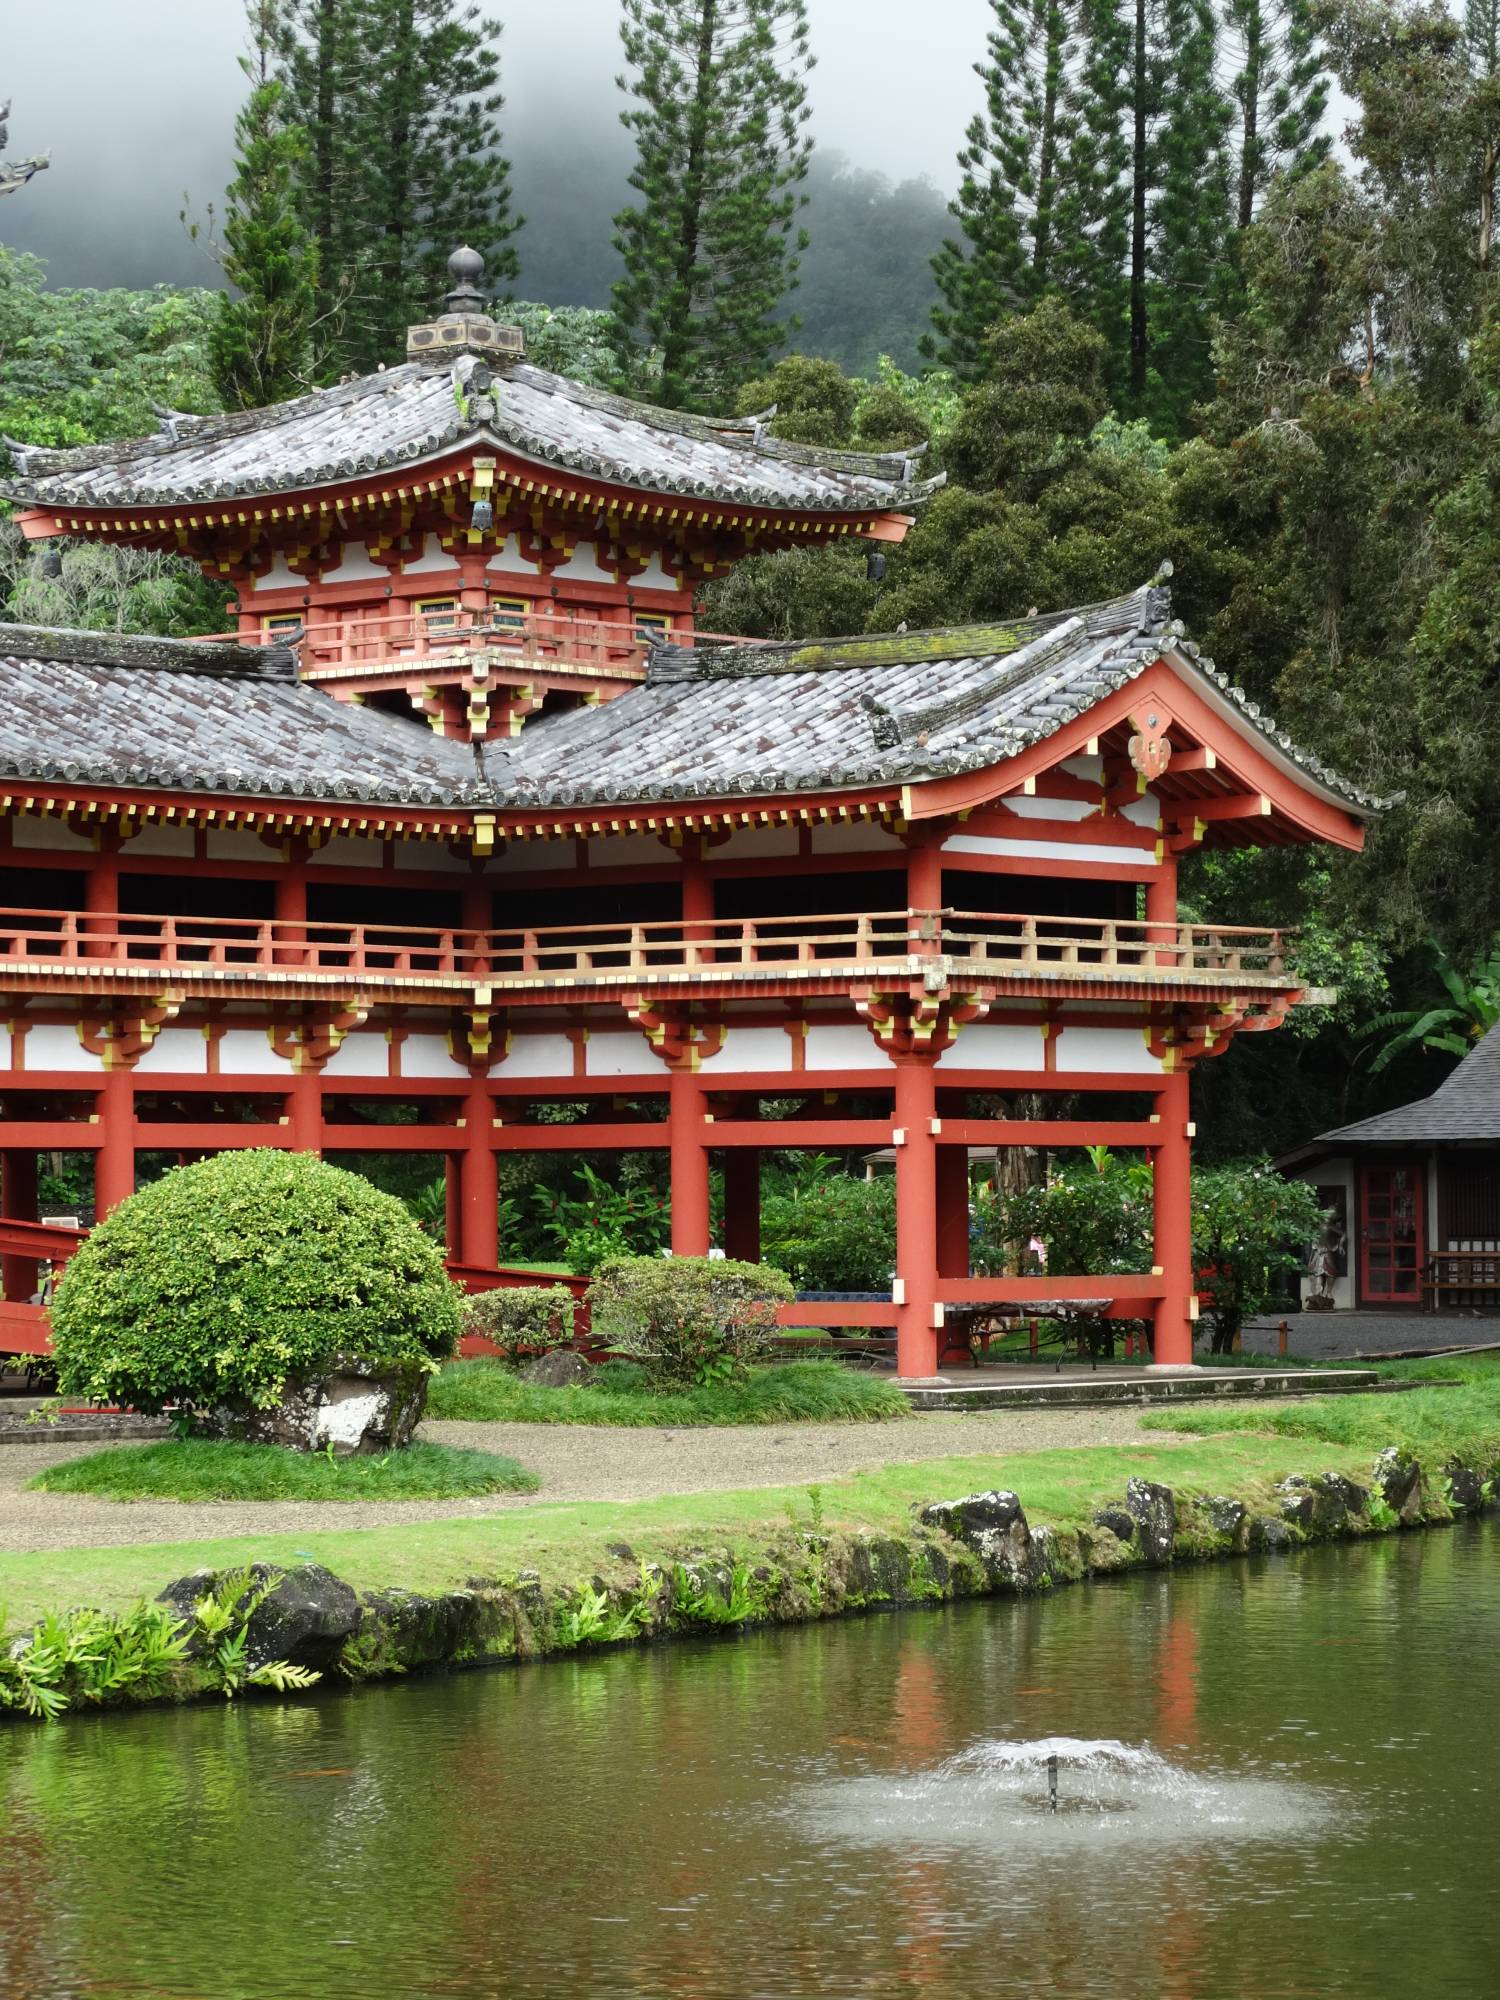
{"x":1014,"y":161}
{"x":400,"y":100}
{"x":261,"y":343}
{"x":711,"y":248}
{"x":1280,"y":92}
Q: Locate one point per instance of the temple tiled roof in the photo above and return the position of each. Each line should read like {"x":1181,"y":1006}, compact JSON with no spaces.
{"x":163,"y":714}
{"x":896,"y":709}
{"x":711,"y":722}
{"x":400,"y":417}
{"x":1465,"y":1108}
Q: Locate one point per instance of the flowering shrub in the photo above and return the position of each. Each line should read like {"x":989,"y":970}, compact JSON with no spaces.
{"x":521,"y":1319}
{"x":224,"y":1279}
{"x":692,"y":1320}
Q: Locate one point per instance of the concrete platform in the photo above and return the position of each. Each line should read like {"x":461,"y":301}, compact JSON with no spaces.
{"x":1357,"y":1335}
{"x":1027,"y":1388}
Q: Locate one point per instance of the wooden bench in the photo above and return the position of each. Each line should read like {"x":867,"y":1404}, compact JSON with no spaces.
{"x":1468,"y":1273}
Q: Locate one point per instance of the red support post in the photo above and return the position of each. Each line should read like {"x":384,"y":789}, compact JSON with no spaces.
{"x":924,"y":874}
{"x":18,"y":1277}
{"x":917,"y":1335}
{"x":687,"y":1133}
{"x":304,"y":1106}
{"x":479,"y":1179}
{"x":101,"y":898}
{"x":291,"y":905}
{"x":1173,"y":1213}
{"x":1161,"y":909}
{"x":742,"y":1205}
{"x":953,"y":1211}
{"x":114,"y":1162}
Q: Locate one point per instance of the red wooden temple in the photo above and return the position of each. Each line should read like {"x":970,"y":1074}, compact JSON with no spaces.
{"x":467,"y":824}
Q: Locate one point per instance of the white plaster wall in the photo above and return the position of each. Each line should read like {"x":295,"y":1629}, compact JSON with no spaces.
{"x":176,"y":841}
{"x":53,"y":1045}
{"x":1045,"y":850}
{"x":237,"y":843}
{"x":631,"y":850}
{"x":433,"y":557}
{"x":751,"y":1050}
{"x":1091,"y":769}
{"x":427,"y":1055}
{"x":1144,"y":811}
{"x":423,"y":857}
{"x":183,"y":1051}
{"x":33,"y":830}
{"x":347,"y":850}
{"x":996,"y":1045}
{"x":846,"y":1046}
{"x":247,"y":1052}
{"x":757,"y":843}
{"x":539,"y":1055}
{"x":1070,"y":810}
{"x":508,"y":557}
{"x":1121,"y":1050}
{"x":277,"y":577}
{"x":857,"y":837}
{"x":654,"y":577}
{"x":358,"y":1054}
{"x":354,"y":566}
{"x":618,"y":1055}
{"x":583,"y":566}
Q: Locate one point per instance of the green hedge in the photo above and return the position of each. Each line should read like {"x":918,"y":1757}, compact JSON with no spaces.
{"x":222,"y":1279}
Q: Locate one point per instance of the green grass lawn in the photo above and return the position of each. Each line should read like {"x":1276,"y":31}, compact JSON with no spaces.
{"x":197,"y":1469}
{"x":796,"y":1392}
{"x":1460,"y":1411}
{"x":564,"y":1542}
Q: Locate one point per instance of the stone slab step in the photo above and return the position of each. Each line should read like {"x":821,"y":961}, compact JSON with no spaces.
{"x":1212,"y":1385}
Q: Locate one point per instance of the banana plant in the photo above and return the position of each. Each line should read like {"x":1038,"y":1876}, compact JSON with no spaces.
{"x":1459,"y":1013}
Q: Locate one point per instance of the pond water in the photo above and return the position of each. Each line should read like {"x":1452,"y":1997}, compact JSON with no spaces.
{"x":1274,"y":1777}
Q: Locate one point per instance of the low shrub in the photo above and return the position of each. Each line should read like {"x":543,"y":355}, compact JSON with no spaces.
{"x":691,"y":1320}
{"x":521,"y":1319}
{"x":621,"y":1393}
{"x":224,"y":1279}
{"x":832,"y":1233}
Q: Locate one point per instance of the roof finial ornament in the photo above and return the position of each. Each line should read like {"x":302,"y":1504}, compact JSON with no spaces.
{"x":466,"y":269}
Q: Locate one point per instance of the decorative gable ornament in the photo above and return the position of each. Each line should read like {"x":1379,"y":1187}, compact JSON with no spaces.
{"x":1150,"y":752}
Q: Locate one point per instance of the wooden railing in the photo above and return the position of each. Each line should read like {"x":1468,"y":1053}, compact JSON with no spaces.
{"x":345,"y":641}
{"x":906,"y":942}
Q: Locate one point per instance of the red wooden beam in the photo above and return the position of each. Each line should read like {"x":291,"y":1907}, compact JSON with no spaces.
{"x":792,"y":1132}
{"x":1048,"y":1132}
{"x":838,"y":1312}
{"x":1001,"y":1291}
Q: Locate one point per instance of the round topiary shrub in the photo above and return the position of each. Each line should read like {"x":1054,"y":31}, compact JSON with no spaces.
{"x":253,"y":1281}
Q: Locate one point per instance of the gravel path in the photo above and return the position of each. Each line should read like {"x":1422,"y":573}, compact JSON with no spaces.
{"x":573,"y":1462}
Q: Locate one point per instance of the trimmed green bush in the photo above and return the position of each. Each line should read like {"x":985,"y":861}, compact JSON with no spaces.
{"x":223,"y":1279}
{"x":521,"y":1319}
{"x":689,"y":1319}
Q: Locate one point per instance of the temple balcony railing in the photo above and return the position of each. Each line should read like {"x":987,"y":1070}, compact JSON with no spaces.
{"x":343,"y":643}
{"x":48,"y":950}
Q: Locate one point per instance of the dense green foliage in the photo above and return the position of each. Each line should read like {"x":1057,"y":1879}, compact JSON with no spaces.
{"x":1251,"y":1230}
{"x":222,"y":1279}
{"x":711,"y":245}
{"x":692,"y":1321}
{"x":262,"y":341}
{"x":400,"y":104}
{"x":831,"y":1232}
{"x":622,"y":1393}
{"x":200,"y":1469}
{"x":521,"y":1319}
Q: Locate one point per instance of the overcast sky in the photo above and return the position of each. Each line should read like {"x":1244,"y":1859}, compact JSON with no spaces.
{"x":135,"y":99}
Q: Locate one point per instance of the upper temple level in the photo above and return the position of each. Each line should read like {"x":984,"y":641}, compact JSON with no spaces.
{"x":462,"y":532}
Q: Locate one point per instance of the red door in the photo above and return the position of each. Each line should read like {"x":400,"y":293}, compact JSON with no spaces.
{"x":1392,"y":1234}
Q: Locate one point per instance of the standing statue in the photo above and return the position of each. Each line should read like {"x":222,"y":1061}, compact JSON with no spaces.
{"x":1325,"y":1263}
{"x":16,"y":173}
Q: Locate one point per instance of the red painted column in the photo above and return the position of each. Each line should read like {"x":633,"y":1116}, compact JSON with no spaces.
{"x":114,"y":1163}
{"x":18,"y":1204}
{"x":924,"y":874}
{"x":687,"y":1135}
{"x":291,"y":904}
{"x":1173,"y":1199}
{"x":742,"y":1204}
{"x":1161,"y":905}
{"x":101,"y":896}
{"x":917,"y":1338}
{"x":479,"y":1179}
{"x":953,"y":1211}
{"x":304,"y":1107}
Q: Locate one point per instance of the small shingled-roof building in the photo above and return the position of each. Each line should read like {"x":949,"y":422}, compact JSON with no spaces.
{"x":1415,"y":1194}
{"x":468,"y":842}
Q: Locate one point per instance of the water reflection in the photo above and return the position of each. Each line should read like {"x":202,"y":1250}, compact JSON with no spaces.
{"x":1278,"y":1781}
